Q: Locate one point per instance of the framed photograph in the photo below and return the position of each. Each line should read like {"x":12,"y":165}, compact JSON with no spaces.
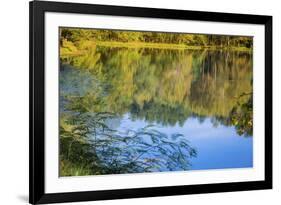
{"x":141,"y":102}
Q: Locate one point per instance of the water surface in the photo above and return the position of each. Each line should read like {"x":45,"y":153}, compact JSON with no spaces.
{"x":148,"y":110}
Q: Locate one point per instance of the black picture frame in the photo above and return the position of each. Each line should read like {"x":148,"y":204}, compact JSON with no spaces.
{"x":37,"y":10}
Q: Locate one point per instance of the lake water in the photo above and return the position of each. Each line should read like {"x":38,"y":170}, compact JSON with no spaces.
{"x":149,"y":110}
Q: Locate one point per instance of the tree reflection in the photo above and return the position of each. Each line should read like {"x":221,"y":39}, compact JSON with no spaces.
{"x":155,"y":85}
{"x":204,"y":83}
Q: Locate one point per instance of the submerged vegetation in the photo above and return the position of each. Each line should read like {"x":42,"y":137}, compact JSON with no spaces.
{"x":105,"y":75}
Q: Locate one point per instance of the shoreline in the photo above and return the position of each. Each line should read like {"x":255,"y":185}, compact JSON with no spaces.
{"x":166,"y":46}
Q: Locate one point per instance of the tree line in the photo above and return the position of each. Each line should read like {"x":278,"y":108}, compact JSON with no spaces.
{"x":75,"y":35}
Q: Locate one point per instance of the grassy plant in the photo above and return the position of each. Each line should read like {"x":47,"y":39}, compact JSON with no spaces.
{"x":89,"y":147}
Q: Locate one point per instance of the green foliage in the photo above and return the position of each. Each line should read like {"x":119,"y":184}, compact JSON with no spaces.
{"x":151,"y":39}
{"x":241,"y":116}
{"x":89,"y":147}
{"x":68,"y":48}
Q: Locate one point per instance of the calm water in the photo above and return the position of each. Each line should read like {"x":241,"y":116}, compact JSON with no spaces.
{"x":148,"y":110}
